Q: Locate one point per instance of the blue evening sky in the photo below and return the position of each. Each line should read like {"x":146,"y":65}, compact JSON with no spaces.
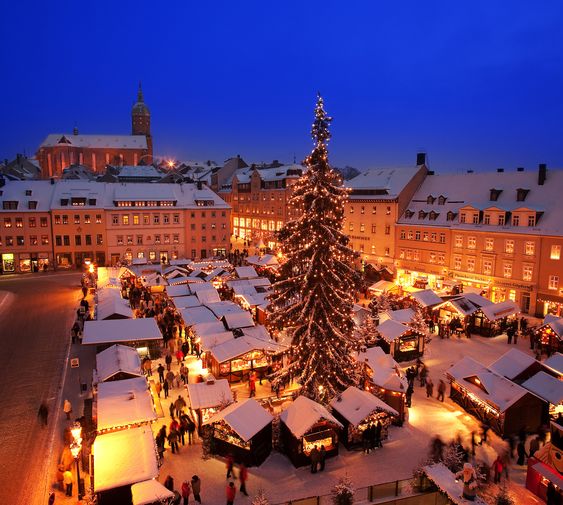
{"x":475,"y":84}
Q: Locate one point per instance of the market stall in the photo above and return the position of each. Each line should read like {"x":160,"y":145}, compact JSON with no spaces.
{"x":549,"y":389}
{"x":117,"y":362}
{"x":120,"y":459}
{"x":504,"y":405}
{"x":516,"y":366}
{"x":306,"y":424}
{"x":555,"y":365}
{"x":382,"y":286}
{"x":243,"y":430}
{"x":491,"y":320}
{"x":402,"y":342}
{"x":112,"y":307}
{"x":383,"y":378}
{"x":178,"y":290}
{"x":150,"y":492}
{"x":550,"y":334}
{"x":123,"y":404}
{"x":207,"y":398}
{"x":235,"y":320}
{"x":141,"y":333}
{"x":357,"y":410}
{"x":426,"y":298}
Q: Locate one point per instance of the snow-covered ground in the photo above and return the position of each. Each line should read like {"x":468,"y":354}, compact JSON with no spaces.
{"x":402,"y":453}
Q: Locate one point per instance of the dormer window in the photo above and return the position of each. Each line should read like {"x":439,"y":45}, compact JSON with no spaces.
{"x":421,"y":214}
{"x":442,"y":200}
{"x":64,"y":202}
{"x":450,"y":216}
{"x":430,"y":200}
{"x":433,"y":215}
{"x":32,"y":204}
{"x":409,"y":214}
{"x":64,"y":140}
{"x":28,"y":192}
{"x":494,"y":194}
{"x":521,"y":194}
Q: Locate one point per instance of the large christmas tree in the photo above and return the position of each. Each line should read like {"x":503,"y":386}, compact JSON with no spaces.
{"x":313,"y":299}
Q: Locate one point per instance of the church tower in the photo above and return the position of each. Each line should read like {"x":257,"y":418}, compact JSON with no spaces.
{"x":141,"y":120}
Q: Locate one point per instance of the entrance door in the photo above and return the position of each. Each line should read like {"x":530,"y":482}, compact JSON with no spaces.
{"x":525,"y":302}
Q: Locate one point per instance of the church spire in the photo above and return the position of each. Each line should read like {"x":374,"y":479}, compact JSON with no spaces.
{"x":140,"y":98}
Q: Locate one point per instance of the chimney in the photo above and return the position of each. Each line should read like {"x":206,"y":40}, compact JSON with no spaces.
{"x":52,"y":180}
{"x":421,"y":158}
{"x":542,"y":173}
{"x":470,"y":171}
{"x":520,"y":169}
{"x":500,"y":170}
{"x":199,"y":185}
{"x":75,"y":130}
{"x":430,"y":172}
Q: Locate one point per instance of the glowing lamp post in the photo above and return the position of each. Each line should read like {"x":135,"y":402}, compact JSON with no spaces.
{"x":75,"y":448}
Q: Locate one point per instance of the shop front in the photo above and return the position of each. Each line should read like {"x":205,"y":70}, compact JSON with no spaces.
{"x":8,"y":263}
{"x":64,"y":260}
{"x":549,"y":303}
{"x":421,"y":280}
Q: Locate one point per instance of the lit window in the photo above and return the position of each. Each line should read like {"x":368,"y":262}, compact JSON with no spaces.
{"x":7,"y":222}
{"x":459,"y":240}
{"x":471,"y":264}
{"x":530,"y":248}
{"x":125,"y":219}
{"x":351,"y":227}
{"x":373,"y":230}
{"x":76,"y":219}
{"x":19,"y":222}
{"x":425,"y":236}
{"x":555,"y":252}
{"x":86,"y":218}
{"x":489,"y":244}
{"x":487,"y":267}
{"x":509,"y":246}
{"x":457,"y":262}
{"x":362,"y":227}
{"x":432,"y":257}
{"x":471,"y":242}
{"x":507,"y":269}
{"x":362,"y":210}
{"x":553,"y":282}
{"x":374,"y":210}
{"x":98,"y":218}
{"x":351,"y":209}
{"x":527,"y":271}
{"x":388,"y":211}
{"x":136,"y":219}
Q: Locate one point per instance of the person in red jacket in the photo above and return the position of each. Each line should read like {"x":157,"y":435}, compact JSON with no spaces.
{"x":231,"y":492}
{"x":186,"y":489}
{"x":243,"y":476}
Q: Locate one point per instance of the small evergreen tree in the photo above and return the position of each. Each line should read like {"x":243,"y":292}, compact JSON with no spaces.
{"x":366,"y":333}
{"x":380,"y":304}
{"x":260,"y":498}
{"x":418,"y":322}
{"x":314,"y":297}
{"x":503,"y":498}
{"x":343,"y":492}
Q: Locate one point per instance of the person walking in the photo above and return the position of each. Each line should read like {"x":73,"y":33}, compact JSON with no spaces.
{"x":534,"y":445}
{"x":366,"y":439}
{"x":252,"y":386}
{"x":67,"y":480}
{"x":322,"y":458}
{"x":43,"y":414}
{"x":409,"y":393}
{"x":231,"y":492}
{"x":521,"y":451}
{"x":186,"y":490}
{"x":179,"y":405}
{"x":441,"y":390}
{"x":169,"y":483}
{"x":196,"y":488}
{"x":315,"y":456}
{"x":168,"y":361}
{"x":67,"y":408}
{"x":166,"y":388}
{"x":497,"y":469}
{"x":191,"y":430}
{"x":377,"y":433}
{"x":160,"y":371}
{"x":429,"y":388}
{"x":243,"y":476}
{"x":158,"y":388}
{"x":173,"y":441}
{"x":229,"y":462}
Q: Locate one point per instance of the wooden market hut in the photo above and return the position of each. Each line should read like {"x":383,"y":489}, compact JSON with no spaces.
{"x":516,"y":366}
{"x":490,"y":320}
{"x":150,"y":492}
{"x":304,"y":425}
{"x":401,"y":341}
{"x":555,"y":365}
{"x":504,"y":405}
{"x":550,"y":334}
{"x":243,"y":430}
{"x":117,"y":362}
{"x":461,"y":307}
{"x":426,"y":298}
{"x":357,"y":410}
{"x":383,"y":378}
{"x":207,"y":398}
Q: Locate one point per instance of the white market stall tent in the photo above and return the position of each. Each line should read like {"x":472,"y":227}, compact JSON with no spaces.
{"x":197,"y":315}
{"x":149,"y":492}
{"x":123,"y":458}
{"x":122,"y":404}
{"x":117,"y":362}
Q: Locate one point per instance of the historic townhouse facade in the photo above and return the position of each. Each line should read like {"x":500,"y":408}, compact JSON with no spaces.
{"x":65,"y":223}
{"x":494,"y":232}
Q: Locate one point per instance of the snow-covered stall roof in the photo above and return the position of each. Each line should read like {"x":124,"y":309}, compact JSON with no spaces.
{"x":202,"y":329}
{"x":555,"y":323}
{"x":208,"y":296}
{"x":224,"y":307}
{"x":210,"y":264}
{"x":359,"y":314}
{"x":545,"y":386}
{"x":385,"y":370}
{"x":197,"y":287}
{"x":125,"y":402}
{"x":246,"y":418}
{"x":186,"y":302}
{"x":404,"y":316}
{"x":512,"y":363}
{"x":204,"y":395}
{"x":555,"y":363}
{"x":246,"y":272}
{"x":355,"y":405}
{"x":124,"y":457}
{"x":120,"y":330}
{"x":303,"y":414}
{"x":477,"y":299}
{"x":113,"y":307}
{"x":232,"y":348}
{"x":254,"y":299}
{"x":174,"y":271}
{"x":426,"y":298}
{"x":178,"y":290}
{"x":212,"y":339}
{"x":154,"y":279}
{"x":197,"y":315}
{"x":268,"y":260}
{"x":177,"y":281}
{"x":382,"y":286}
{"x":463,"y":305}
{"x":238,"y":320}
{"x":447,"y":483}
{"x":115,"y":359}
{"x":149,"y":492}
{"x":496,"y":311}
{"x":258,"y":331}
{"x":493,"y":389}
{"x":391,"y":330}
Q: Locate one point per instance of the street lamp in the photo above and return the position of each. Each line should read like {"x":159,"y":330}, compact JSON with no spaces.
{"x":75,"y":448}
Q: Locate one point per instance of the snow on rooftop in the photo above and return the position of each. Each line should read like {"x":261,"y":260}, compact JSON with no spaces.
{"x":202,"y":329}
{"x":496,"y":311}
{"x":178,"y":290}
{"x":355,"y":405}
{"x":385,"y":371}
{"x":303,"y":414}
{"x":235,"y":347}
{"x":197,"y":315}
{"x":96,"y":141}
{"x":214,"y":339}
{"x":238,"y":320}
{"x":495,"y":390}
{"x":265,"y":260}
{"x":390,"y":180}
{"x":113,"y":306}
{"x":555,"y":363}
{"x":15,"y":191}
{"x":246,"y":418}
{"x":149,"y":492}
{"x":120,"y":330}
{"x":545,"y":386}
{"x":555,"y":323}
{"x":391,"y":330}
{"x":204,"y":395}
{"x":426,"y":298}
{"x":124,"y":402}
{"x":512,"y":363}
{"x":224,"y":307}
{"x":447,"y":483}
{"x":401,"y":316}
{"x":186,"y":302}
{"x":208,"y":296}
{"x":246,"y":272}
{"x":115,"y":359}
{"x":124,"y":457}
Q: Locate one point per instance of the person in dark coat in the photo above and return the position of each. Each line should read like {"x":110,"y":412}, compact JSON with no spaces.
{"x":322,"y":458}
{"x":552,"y":495}
{"x":366,"y":439}
{"x":377,"y":434}
{"x":230,"y":464}
{"x":168,"y":360}
{"x":441,"y":390}
{"x":43,"y":413}
{"x":534,"y":446}
{"x":315,"y":457}
{"x":160,"y":371}
{"x":243,"y":476}
{"x":166,"y":388}
{"x":169,"y":483}
{"x":429,"y":388}
{"x":196,"y":488}
{"x":173,"y":441}
{"x":408,"y":394}
{"x":521,"y":451}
